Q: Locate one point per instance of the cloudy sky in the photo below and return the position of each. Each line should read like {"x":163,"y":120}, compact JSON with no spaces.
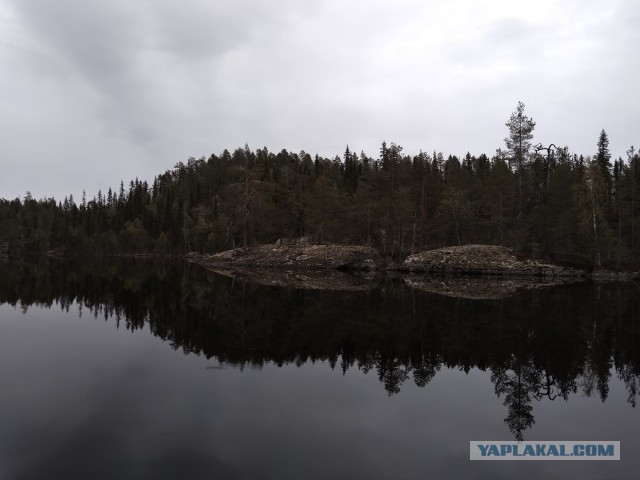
{"x":92,"y":92}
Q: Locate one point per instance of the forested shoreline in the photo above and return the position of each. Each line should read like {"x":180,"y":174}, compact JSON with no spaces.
{"x":544,"y":201}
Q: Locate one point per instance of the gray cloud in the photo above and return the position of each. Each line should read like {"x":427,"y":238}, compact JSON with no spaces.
{"x":103,"y":90}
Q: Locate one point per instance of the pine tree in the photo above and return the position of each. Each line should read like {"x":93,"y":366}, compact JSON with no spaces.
{"x":519,"y":143}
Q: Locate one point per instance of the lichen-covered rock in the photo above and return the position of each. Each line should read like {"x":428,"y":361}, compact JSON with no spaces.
{"x":484,"y":260}
{"x":300,"y":255}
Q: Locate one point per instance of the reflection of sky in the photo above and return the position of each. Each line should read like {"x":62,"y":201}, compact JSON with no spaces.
{"x":81,"y":399}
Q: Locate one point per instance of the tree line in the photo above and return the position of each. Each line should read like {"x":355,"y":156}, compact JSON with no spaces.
{"x":542,"y":200}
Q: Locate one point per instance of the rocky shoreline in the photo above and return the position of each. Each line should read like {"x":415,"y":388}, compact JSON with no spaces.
{"x":296,"y":256}
{"x":466,"y":260}
{"x":491,"y":260}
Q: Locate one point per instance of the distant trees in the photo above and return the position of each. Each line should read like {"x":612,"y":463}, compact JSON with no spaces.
{"x":545,"y":201}
{"x":592,"y":195}
{"x":456,"y":214}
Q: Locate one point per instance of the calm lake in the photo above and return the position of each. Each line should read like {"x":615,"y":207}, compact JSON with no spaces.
{"x":123,"y":369}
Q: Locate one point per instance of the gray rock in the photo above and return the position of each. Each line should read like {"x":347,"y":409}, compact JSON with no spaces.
{"x":299,"y":255}
{"x":482,"y":260}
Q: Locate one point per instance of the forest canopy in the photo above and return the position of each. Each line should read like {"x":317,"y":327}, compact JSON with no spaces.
{"x":542,"y":200}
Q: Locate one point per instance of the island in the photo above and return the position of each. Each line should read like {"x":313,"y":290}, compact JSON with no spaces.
{"x":461,"y":260}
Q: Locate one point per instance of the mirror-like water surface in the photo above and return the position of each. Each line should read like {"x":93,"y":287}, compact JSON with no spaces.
{"x":123,"y":369}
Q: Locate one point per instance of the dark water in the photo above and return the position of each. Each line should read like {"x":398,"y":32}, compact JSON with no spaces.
{"x":124,"y":369}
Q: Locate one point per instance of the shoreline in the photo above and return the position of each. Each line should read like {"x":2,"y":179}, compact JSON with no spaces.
{"x":488,"y":261}
{"x":474,"y":261}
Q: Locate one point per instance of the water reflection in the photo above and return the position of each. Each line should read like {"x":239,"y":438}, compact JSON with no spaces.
{"x":540,"y":344}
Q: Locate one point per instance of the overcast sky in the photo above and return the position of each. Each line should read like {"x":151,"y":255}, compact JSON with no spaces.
{"x":92,"y":92}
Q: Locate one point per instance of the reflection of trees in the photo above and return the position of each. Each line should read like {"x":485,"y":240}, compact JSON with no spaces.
{"x":521,"y":382}
{"x":424,"y":369}
{"x":392,"y":373}
{"x":631,"y":379}
{"x":597,"y":369}
{"x":626,"y":356}
{"x":539,"y":345}
{"x":594,"y":381}
{"x":519,"y":386}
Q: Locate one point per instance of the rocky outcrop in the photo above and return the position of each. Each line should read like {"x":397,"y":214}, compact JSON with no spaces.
{"x":298,"y":256}
{"x":473,"y":260}
{"x":483,"y":260}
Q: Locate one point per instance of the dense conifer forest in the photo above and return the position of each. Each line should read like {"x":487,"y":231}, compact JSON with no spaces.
{"x":542,"y":200}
